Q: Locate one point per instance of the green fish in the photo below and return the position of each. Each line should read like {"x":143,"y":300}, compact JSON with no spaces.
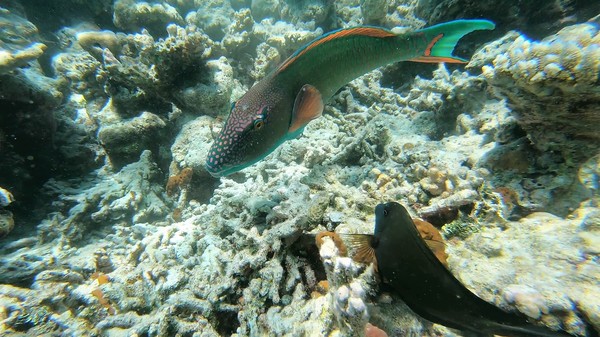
{"x":279,"y":106}
{"x":408,"y":266}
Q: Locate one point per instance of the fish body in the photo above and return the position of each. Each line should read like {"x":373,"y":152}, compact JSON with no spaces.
{"x":279,"y":106}
{"x":414,"y":273}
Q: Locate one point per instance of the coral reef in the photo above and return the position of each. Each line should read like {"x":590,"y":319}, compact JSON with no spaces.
{"x":17,"y":46}
{"x":106,"y":126}
{"x":552,"y":87}
{"x":515,"y":254}
{"x":129,"y":196}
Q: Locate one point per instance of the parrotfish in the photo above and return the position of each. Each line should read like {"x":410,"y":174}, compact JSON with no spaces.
{"x":279,"y":107}
{"x":413,"y":272}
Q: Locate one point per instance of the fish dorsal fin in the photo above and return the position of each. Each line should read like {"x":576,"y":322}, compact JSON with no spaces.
{"x":376,"y":32}
{"x":361,"y":248}
{"x":307,"y":106}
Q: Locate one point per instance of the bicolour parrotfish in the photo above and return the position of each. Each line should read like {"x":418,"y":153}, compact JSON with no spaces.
{"x":407,"y":265}
{"x":278,"y":107}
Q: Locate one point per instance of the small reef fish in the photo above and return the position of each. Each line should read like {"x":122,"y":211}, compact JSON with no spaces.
{"x":278,"y":107}
{"x":407,"y":265}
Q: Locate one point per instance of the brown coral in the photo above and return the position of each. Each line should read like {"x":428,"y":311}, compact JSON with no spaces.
{"x":179,"y":181}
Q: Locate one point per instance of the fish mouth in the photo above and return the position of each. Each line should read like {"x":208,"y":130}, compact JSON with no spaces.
{"x":220,"y":171}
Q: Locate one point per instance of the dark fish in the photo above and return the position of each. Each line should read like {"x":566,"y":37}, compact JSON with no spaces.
{"x":410,"y":268}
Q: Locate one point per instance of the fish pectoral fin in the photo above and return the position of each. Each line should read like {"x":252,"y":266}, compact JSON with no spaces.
{"x":360,"y":247}
{"x":307,"y":106}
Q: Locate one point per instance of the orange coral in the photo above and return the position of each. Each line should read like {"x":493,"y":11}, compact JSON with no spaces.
{"x":433,"y":239}
{"x":321,"y":289}
{"x":103,"y":301}
{"x":179,"y":181}
{"x":101,"y":278}
{"x":336,"y":240}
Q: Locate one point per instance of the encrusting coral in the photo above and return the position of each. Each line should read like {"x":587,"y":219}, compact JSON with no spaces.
{"x":552,"y":87}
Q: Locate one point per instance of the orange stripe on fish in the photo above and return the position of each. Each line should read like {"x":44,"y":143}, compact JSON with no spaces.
{"x":437,"y":59}
{"x":430,"y":45}
{"x":364,"y":31}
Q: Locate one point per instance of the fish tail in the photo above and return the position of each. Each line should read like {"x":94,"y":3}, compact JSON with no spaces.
{"x":436,"y":43}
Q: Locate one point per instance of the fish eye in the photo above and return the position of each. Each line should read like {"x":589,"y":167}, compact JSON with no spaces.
{"x":385,"y":212}
{"x":259,"y":123}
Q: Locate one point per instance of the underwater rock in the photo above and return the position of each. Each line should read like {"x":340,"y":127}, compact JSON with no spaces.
{"x":373,"y":11}
{"x":309,"y":12}
{"x":125,"y":141}
{"x":210,"y":98}
{"x":28,"y":130}
{"x":191,"y":145}
{"x":589,"y":175}
{"x":552,"y":88}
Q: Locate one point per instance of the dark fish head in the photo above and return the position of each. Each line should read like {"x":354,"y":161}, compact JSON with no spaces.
{"x":391,"y":220}
{"x":387,"y":217}
{"x":257,"y":124}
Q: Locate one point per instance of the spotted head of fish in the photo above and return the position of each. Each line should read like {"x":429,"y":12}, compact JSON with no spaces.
{"x":257,"y":124}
